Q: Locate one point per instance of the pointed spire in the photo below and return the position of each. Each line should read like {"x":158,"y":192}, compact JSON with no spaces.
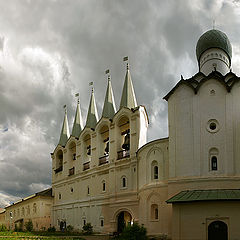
{"x":92,"y":117}
{"x":128,"y":96}
{"x":109,"y":108}
{"x":65,"y":130}
{"x":77,"y":125}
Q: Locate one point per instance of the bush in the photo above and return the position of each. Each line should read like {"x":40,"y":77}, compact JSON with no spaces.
{"x":51,"y":229}
{"x":134,"y":232}
{"x":29,"y":226}
{"x":69,"y":228}
{"x":3,"y":228}
{"x":87,"y":229}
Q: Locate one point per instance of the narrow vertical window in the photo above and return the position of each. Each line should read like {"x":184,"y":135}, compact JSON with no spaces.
{"x":124,"y":182}
{"x":214,"y":163}
{"x":155,"y":172}
{"x":104,"y":186}
{"x":102,"y":223}
{"x":88,"y":190}
{"x":156,"y":213}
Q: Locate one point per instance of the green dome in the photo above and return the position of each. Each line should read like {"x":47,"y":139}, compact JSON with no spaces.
{"x":213,"y":39}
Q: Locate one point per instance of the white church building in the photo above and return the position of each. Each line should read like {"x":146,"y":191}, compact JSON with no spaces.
{"x":186,"y":186}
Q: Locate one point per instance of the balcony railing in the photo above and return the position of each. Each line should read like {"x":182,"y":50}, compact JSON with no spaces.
{"x":103,"y":160}
{"x":123,"y":154}
{"x":58,"y":169}
{"x":71,"y":171}
{"x":86,"y":166}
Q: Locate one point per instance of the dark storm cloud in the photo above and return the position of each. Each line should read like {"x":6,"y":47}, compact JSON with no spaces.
{"x":53,"y":49}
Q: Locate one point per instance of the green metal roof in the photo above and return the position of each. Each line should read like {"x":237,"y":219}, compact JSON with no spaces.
{"x":77,"y":126}
{"x":128,"y":98}
{"x":65,"y":132}
{"x":205,"y":195}
{"x":109,"y":108}
{"x":92,"y":117}
{"x":213,"y":39}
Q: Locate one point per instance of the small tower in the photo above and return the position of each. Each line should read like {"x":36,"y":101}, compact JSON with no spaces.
{"x":92,"y":117}
{"x":109,"y":108}
{"x":65,"y":130}
{"x":214,"y":52}
{"x":77,"y":125}
{"x":128,"y":98}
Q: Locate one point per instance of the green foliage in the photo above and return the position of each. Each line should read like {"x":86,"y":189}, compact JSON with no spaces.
{"x":29,"y":226}
{"x":69,"y":228}
{"x":134,"y":232}
{"x":3,"y":228}
{"x":51,"y":229}
{"x":87,"y":229}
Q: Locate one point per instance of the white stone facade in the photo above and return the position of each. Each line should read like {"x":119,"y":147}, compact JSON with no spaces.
{"x":201,"y":153}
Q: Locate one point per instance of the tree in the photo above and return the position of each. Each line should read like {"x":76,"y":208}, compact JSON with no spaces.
{"x":134,"y":232}
{"x":88,"y":229}
{"x":29,"y":226}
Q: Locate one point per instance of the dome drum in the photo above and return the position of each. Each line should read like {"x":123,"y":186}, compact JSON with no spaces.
{"x":214,"y":59}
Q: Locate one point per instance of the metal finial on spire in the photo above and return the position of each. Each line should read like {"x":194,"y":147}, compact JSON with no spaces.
{"x":108,"y":74}
{"x":91,"y":84}
{"x":126,"y":59}
{"x":65,"y":108}
{"x":77,"y":95}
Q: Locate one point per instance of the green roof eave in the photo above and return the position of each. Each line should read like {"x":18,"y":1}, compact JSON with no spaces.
{"x":206,"y":195}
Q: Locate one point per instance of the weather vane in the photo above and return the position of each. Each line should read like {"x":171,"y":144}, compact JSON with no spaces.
{"x":108,"y":72}
{"x":65,"y":108}
{"x":77,"y":96}
{"x":125,"y":59}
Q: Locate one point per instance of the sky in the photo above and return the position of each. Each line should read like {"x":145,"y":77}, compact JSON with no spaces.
{"x":52,"y":49}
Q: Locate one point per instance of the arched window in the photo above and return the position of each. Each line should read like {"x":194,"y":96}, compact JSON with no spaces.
{"x":154,"y":167}
{"x":87,"y":143}
{"x":23,"y":211}
{"x":34,"y":207}
{"x":154,"y":212}
{"x":72,"y":148}
{"x":155,"y":172}
{"x":103,"y":186}
{"x":87,"y":152}
{"x":123,"y":182}
{"x":214,"y":163}
{"x":103,"y":145}
{"x":28,"y":209}
{"x":59,"y":161}
{"x":124,"y":138}
{"x":213,"y":158}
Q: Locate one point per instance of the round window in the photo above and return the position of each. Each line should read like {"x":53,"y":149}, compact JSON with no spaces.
{"x":212,"y":125}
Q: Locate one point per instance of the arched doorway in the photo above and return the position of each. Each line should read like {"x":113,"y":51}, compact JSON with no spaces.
{"x":217,"y":230}
{"x":124,"y":218}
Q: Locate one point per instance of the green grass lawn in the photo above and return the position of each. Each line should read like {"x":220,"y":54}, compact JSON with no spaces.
{"x":9,"y":235}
